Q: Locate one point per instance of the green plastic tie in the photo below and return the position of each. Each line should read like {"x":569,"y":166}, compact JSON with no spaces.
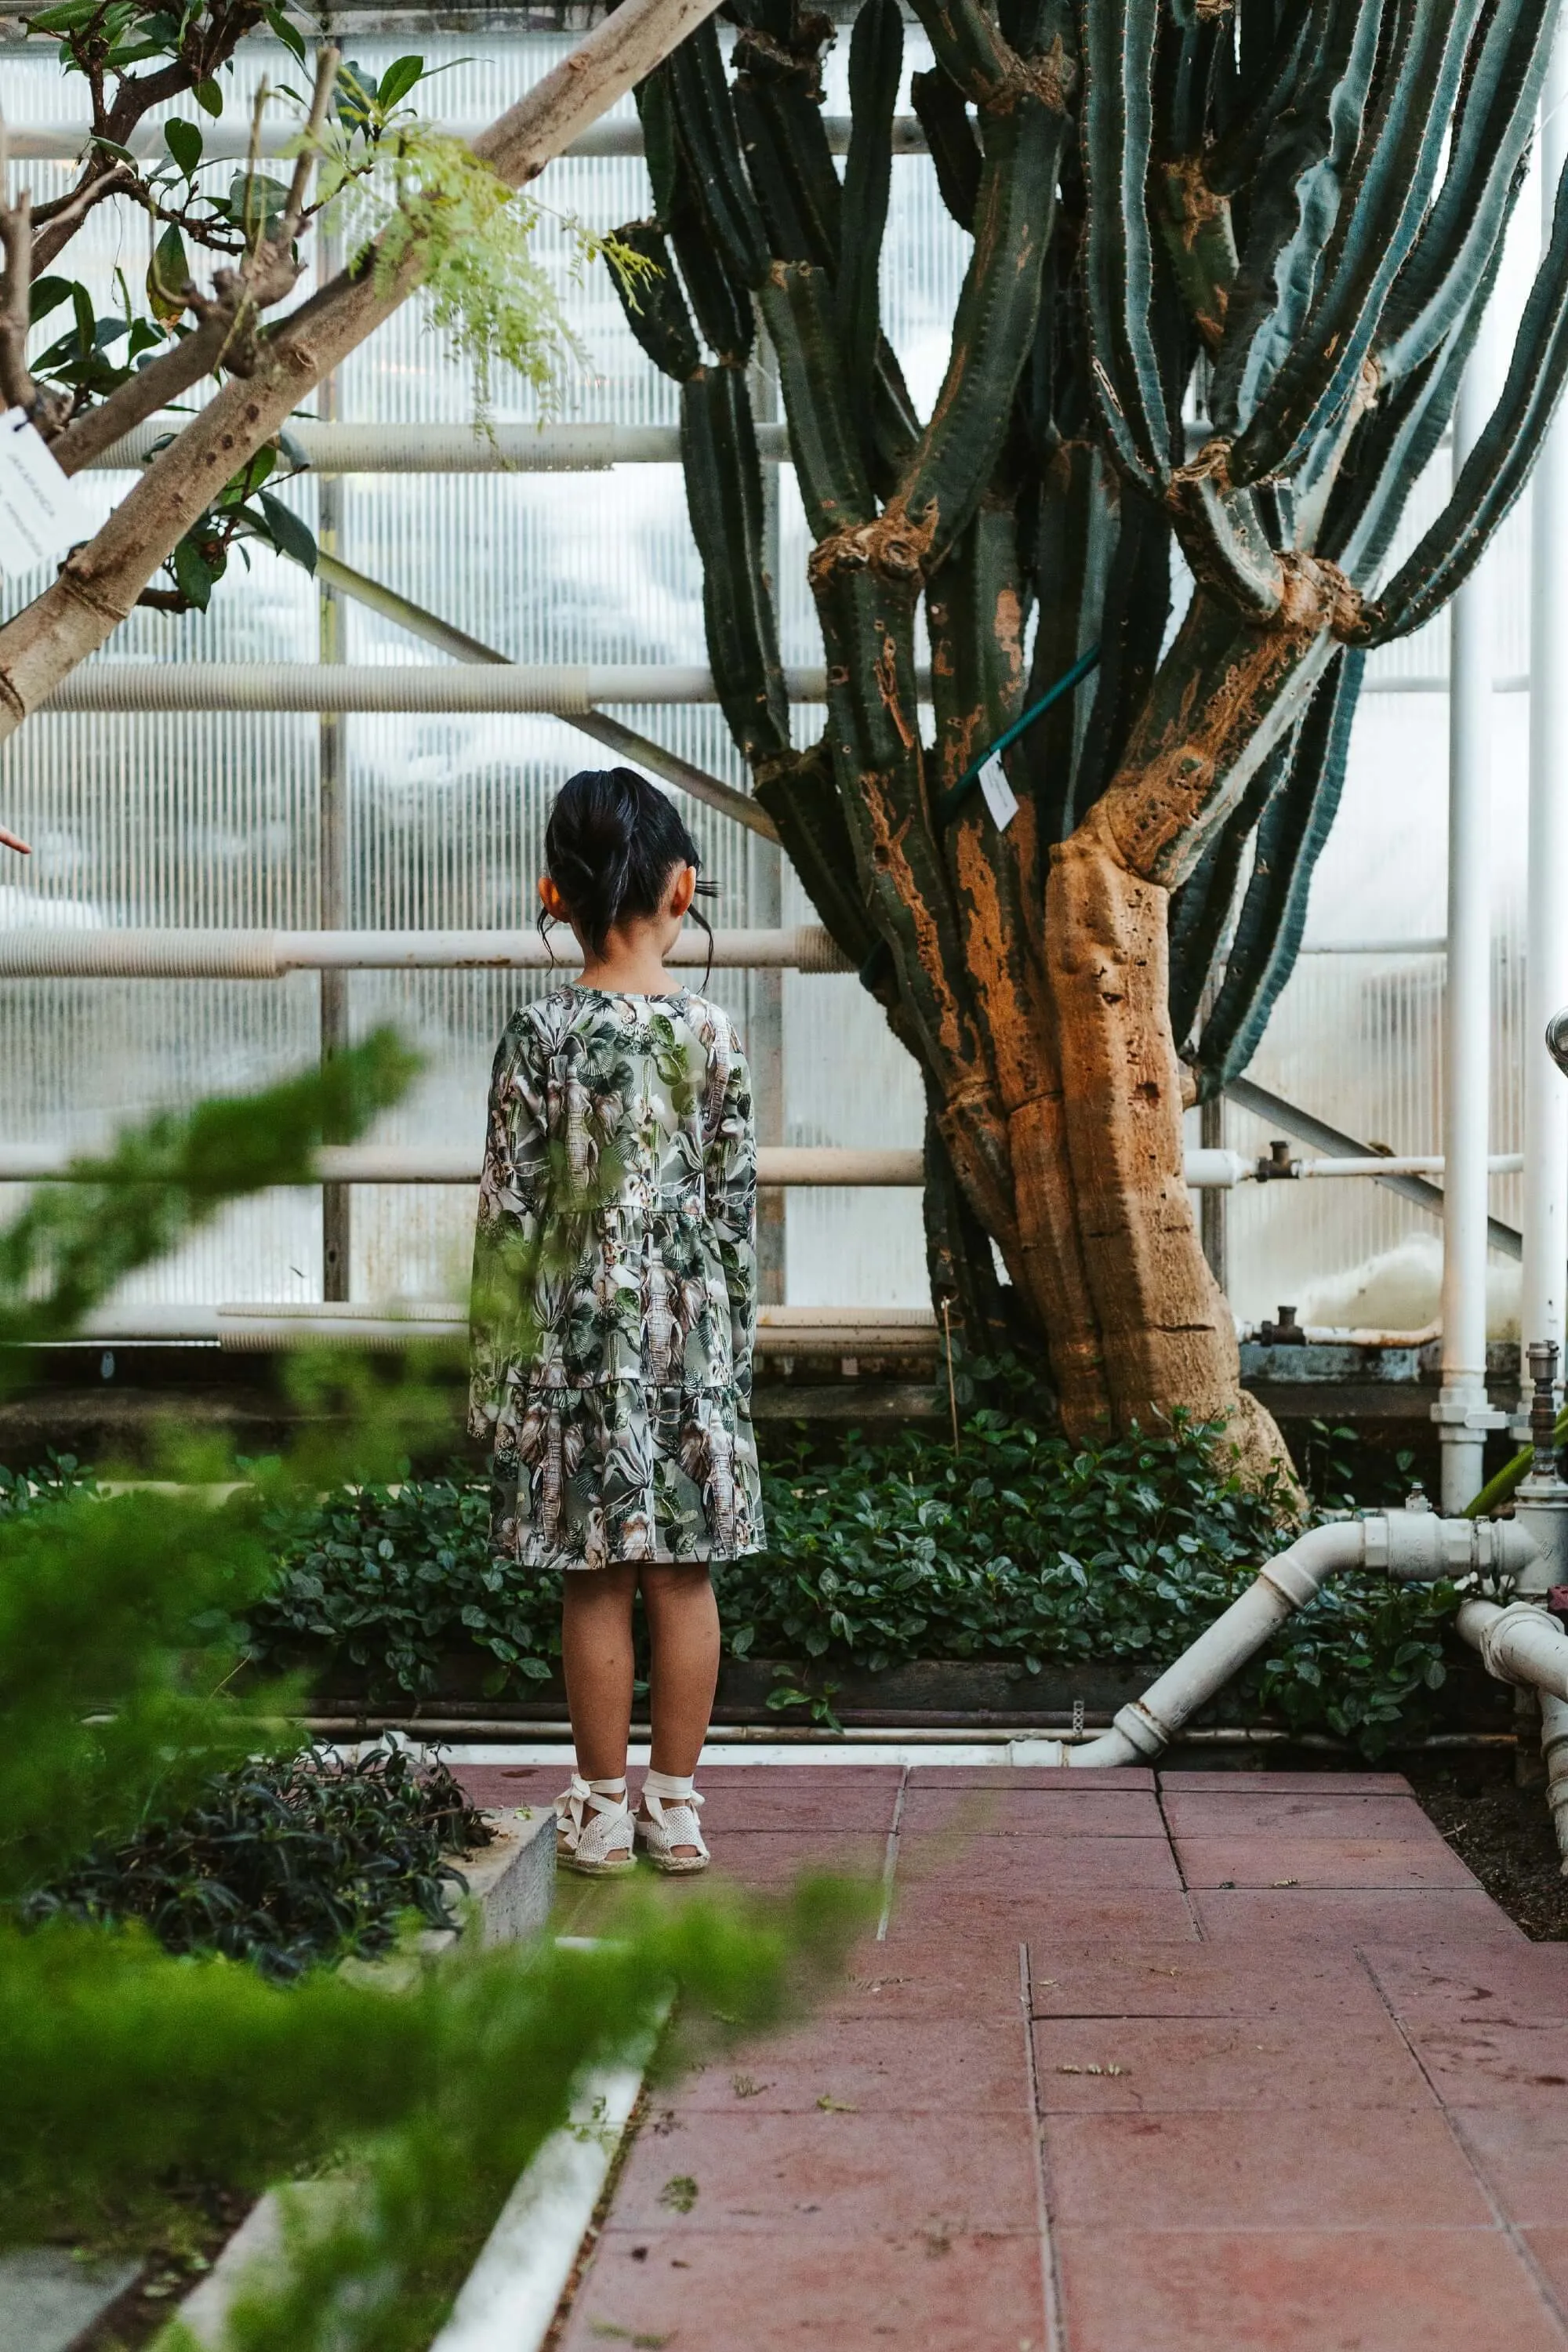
{"x":950,"y":802}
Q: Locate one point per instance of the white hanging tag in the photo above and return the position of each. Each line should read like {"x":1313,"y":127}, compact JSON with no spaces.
{"x":1000,"y":797}
{"x":43,"y":515}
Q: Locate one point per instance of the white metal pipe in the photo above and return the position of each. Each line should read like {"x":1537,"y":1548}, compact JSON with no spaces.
{"x":1413,"y":946}
{"x":1411,"y":1546}
{"x":1461,"y":1411}
{"x":414,"y":448}
{"x":782,"y":1331}
{"x":1359,"y":1335}
{"x":228,"y":142}
{"x":424,"y":1163}
{"x":1555,"y":1754}
{"x":1546,"y":951}
{"x":412,"y":1163}
{"x":30,"y":952}
{"x":1409,"y":1163}
{"x":446,"y":687}
{"x":1520,"y":1645}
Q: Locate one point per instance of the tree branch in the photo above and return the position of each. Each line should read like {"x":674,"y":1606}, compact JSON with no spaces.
{"x":99,"y":585}
{"x":107,"y":176}
{"x":196,"y":355}
{"x":17,"y":383}
{"x":327,"y":65}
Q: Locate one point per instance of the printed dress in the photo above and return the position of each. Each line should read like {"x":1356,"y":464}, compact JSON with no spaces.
{"x":614,"y":1284}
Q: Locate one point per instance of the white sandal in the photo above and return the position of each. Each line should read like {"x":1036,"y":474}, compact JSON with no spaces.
{"x":593,"y":1831}
{"x":668,"y":1824}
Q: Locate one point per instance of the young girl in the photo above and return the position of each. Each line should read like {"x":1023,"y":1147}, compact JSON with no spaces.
{"x":615,"y":1311}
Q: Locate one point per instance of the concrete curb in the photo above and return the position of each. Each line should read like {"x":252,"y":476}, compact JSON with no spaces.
{"x":510,"y":1886}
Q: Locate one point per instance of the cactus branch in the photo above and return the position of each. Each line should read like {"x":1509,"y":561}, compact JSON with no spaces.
{"x":876,"y":64}
{"x":1119,"y":43}
{"x":1488,"y":146}
{"x":950,"y":135}
{"x":1291,"y":837}
{"x":1499,"y":465}
{"x":1384,"y":204}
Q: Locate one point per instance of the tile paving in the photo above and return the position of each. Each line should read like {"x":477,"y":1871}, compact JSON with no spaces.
{"x":1207,"y":2064}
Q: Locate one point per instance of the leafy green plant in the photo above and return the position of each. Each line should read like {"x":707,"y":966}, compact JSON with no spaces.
{"x":1024,"y":1550}
{"x":130,"y":1751}
{"x":483,"y":287}
{"x":319,"y":1858}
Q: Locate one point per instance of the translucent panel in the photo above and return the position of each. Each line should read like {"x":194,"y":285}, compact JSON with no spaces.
{"x":212,"y":819}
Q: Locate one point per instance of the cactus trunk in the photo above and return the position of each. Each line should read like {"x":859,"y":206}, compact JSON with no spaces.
{"x":1285,"y":221}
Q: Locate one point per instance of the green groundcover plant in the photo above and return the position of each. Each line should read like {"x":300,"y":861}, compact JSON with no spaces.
{"x":285,"y":1863}
{"x":1022,"y":1549}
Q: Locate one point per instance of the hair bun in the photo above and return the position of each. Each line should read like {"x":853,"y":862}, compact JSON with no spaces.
{"x":611,"y":846}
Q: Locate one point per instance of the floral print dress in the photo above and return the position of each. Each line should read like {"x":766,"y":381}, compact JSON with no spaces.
{"x":614,"y":1284}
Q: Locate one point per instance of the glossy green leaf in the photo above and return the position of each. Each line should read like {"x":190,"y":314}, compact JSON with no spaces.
{"x":290,"y":35}
{"x":398,"y":80}
{"x":184,"y":140}
{"x":290,"y":536}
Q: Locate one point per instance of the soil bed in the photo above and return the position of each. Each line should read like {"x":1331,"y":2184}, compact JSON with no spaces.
{"x":1503,"y":1833}
{"x":207,"y":2221}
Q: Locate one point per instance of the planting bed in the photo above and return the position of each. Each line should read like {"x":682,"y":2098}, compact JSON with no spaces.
{"x":1504,"y":1833}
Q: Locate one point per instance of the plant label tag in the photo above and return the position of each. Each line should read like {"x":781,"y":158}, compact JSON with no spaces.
{"x":1000,"y":797}
{"x":43,"y":515}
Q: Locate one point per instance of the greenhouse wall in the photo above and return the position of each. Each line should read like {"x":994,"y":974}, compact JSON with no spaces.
{"x":201,"y":819}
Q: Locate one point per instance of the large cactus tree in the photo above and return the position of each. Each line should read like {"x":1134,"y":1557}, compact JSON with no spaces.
{"x":1227,"y":264}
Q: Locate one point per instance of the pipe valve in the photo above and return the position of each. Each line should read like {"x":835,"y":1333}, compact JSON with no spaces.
{"x":1542,"y":1357}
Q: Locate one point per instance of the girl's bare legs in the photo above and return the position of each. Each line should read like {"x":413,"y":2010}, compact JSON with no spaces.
{"x":683,"y":1638}
{"x":596,"y":1654}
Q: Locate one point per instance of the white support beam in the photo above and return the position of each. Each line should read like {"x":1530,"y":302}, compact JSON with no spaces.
{"x":544,"y":688}
{"x":50,"y":953}
{"x":1545,"y":1217}
{"x":1461,"y":1411}
{"x":425,"y":1163}
{"x":229,"y":142}
{"x":413,"y":448}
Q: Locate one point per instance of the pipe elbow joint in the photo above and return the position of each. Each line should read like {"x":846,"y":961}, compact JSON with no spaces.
{"x":1519,"y":1644}
{"x":1300,"y":1574}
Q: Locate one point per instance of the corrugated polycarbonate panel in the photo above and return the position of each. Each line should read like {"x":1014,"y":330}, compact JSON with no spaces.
{"x":202,"y":819}
{"x":211,"y":819}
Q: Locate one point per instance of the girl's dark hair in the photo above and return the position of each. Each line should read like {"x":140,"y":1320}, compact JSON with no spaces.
{"x":610,"y":848}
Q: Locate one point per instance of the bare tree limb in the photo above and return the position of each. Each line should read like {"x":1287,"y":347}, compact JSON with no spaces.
{"x":100,"y":583}
{"x":220,"y":336}
{"x":327,"y":64}
{"x":174,"y":372}
{"x":17,"y":382}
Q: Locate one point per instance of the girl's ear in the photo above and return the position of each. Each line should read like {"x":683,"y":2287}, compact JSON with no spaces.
{"x":549,"y":898}
{"x":683,"y":890}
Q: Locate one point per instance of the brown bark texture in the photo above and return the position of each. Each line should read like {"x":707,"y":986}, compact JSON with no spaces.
{"x":1286,"y":222}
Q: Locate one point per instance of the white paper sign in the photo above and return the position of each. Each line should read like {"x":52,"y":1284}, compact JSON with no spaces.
{"x":1000,"y":797}
{"x":42,"y":514}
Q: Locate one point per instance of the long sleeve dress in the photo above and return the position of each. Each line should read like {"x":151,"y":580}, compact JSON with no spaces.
{"x":613,"y":1305}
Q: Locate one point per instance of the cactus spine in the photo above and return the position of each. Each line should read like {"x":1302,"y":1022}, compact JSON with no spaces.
{"x":1288,"y":216}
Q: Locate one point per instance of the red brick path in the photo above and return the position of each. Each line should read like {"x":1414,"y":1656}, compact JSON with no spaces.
{"x":1203,"y":2063}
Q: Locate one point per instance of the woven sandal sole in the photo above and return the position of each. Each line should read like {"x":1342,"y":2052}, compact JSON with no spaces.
{"x":677,"y":1865}
{"x":595,"y":1869}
